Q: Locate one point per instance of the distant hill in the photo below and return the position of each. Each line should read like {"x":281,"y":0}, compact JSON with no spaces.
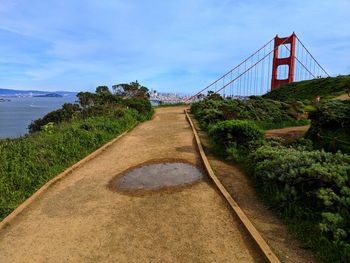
{"x":13,"y":93}
{"x":326,"y":88}
{"x":50,"y":95}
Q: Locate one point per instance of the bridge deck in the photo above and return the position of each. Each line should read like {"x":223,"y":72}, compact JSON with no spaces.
{"x":80,"y":220}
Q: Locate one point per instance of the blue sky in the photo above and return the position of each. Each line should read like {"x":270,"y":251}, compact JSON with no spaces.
{"x":175,"y":46}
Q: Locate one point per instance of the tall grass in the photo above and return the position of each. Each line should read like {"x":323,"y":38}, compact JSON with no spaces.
{"x":29,"y":162}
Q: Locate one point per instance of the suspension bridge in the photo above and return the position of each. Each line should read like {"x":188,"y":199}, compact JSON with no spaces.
{"x":279,"y":61}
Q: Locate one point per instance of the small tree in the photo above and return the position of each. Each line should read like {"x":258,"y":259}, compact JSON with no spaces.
{"x":132,"y":90}
{"x":347,"y":88}
{"x":86,"y":99}
{"x":213,"y":96}
{"x":102,"y":90}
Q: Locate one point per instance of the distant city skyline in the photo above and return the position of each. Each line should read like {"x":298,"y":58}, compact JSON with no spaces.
{"x":169,"y":46}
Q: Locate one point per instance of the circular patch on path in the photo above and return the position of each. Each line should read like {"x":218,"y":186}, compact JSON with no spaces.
{"x":158,"y":176}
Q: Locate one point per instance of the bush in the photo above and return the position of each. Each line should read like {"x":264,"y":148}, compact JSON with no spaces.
{"x":302,"y":144}
{"x":241,"y":134}
{"x":102,"y":104}
{"x":142,"y":106}
{"x":330,"y":126}
{"x":309,"y":188}
{"x":332,"y":115}
{"x":66,"y":113}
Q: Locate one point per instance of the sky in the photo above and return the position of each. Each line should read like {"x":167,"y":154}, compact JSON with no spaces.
{"x":170,"y":46}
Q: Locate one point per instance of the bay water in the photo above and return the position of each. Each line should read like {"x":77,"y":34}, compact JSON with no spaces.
{"x":19,"y":112}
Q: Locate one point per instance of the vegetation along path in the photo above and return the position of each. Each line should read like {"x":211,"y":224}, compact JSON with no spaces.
{"x":81,"y":219}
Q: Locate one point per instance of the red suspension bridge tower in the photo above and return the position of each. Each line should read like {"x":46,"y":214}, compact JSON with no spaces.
{"x":279,"y":61}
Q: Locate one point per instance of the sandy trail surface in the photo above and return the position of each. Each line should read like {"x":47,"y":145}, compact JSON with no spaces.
{"x":288,"y":133}
{"x":342,"y":97}
{"x":81,"y":219}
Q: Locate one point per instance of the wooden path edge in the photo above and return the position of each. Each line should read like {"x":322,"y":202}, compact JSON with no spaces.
{"x":253,"y":232}
{"x":7,"y":220}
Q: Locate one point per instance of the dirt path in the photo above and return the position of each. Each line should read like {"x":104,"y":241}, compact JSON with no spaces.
{"x":81,"y":220}
{"x":342,"y":97}
{"x":288,"y":133}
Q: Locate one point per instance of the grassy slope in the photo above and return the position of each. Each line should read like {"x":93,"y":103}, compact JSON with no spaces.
{"x":29,"y":162}
{"x":327,"y":88}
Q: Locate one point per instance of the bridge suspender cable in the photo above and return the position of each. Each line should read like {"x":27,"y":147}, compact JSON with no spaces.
{"x":295,"y":57}
{"x":312,"y":57}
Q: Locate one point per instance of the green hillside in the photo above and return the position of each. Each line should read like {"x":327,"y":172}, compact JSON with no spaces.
{"x":327,"y":88}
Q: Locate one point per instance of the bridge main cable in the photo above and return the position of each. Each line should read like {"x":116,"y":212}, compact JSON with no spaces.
{"x":268,"y":54}
{"x":223,"y":76}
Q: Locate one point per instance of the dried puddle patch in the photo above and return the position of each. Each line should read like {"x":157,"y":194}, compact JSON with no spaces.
{"x":154,"y":177}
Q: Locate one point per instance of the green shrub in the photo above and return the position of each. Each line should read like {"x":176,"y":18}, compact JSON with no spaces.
{"x":302,"y":144}
{"x":101,"y":103}
{"x":332,"y":115}
{"x":142,"y":106}
{"x":211,"y":115}
{"x":309,"y":188}
{"x":265,"y":112}
{"x":240,"y":134}
{"x":48,"y":127}
{"x":330,"y":126}
{"x":66,"y":113}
